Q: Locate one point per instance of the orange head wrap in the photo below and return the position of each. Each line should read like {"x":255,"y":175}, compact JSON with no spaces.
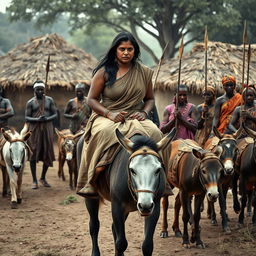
{"x":228,"y":79}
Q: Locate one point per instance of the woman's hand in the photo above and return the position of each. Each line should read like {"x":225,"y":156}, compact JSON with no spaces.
{"x":140,"y":116}
{"x":117,"y":116}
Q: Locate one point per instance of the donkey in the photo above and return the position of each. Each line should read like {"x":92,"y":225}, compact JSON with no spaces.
{"x":229,"y":149}
{"x":14,"y":154}
{"x":247,"y":176}
{"x":134,"y":181}
{"x":67,"y":152}
{"x":196,"y":173}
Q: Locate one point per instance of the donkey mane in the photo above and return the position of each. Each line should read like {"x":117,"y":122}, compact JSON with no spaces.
{"x":142,"y":141}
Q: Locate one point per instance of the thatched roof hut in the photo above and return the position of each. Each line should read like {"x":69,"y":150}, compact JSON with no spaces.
{"x":69,"y":65}
{"x":223,"y":59}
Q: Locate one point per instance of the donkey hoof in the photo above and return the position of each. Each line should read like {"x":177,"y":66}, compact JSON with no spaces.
{"x":214,"y":222}
{"x":186,"y":245}
{"x":164,"y":234}
{"x":200,"y":246}
{"x":177,"y":233}
{"x":19,"y":200}
{"x":240,"y":225}
{"x":227,"y":230}
{"x":14,"y":205}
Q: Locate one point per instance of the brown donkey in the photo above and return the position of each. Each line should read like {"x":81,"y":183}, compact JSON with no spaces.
{"x":195,"y":172}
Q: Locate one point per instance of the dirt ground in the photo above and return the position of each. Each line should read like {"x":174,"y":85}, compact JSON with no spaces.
{"x":45,"y":225}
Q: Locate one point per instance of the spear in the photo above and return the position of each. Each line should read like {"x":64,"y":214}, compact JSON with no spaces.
{"x":47,"y":69}
{"x":160,"y":64}
{"x":245,"y":41}
{"x":178,"y":87}
{"x":248,"y":65}
{"x":180,"y":57}
{"x":206,"y":53}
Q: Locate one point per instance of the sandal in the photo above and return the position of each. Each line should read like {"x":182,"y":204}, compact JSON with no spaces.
{"x":45,"y":183}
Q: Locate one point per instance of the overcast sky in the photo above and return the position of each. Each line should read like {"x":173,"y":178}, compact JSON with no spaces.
{"x":3,"y":4}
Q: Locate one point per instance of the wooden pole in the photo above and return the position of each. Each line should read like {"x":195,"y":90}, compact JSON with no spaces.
{"x":245,"y":41}
{"x":160,"y":64}
{"x":206,"y":58}
{"x":47,"y":69}
{"x":248,"y":65}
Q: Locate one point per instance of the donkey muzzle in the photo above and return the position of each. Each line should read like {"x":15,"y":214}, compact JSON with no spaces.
{"x":16,"y":167}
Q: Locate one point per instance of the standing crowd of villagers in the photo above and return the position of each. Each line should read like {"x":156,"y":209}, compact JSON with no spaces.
{"x":226,"y":113}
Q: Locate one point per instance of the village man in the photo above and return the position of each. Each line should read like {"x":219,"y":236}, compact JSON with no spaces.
{"x":40,"y":113}
{"x":185,"y":115}
{"x":245,"y":113}
{"x":77,"y":110}
{"x":6,"y":110}
{"x":226,"y":104}
{"x":205,"y":116}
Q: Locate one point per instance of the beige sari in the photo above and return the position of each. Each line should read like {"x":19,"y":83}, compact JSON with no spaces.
{"x":101,"y":144}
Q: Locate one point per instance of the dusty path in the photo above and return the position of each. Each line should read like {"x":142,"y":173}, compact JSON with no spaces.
{"x":42,"y":226}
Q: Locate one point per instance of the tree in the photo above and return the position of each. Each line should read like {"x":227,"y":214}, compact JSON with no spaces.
{"x":164,"y":20}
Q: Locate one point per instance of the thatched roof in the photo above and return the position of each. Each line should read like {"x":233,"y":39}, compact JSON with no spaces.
{"x":223,"y":59}
{"x":27,"y":62}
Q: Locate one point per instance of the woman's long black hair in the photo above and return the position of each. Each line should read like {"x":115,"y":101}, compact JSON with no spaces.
{"x":109,"y":61}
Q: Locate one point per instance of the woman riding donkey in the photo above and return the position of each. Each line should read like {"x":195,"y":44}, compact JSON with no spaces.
{"x":121,"y":96}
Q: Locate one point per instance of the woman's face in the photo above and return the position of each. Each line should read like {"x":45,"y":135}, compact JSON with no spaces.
{"x":125,"y":52}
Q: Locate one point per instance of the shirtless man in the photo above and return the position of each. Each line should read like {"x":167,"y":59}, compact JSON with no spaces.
{"x":245,"y":113}
{"x":40,"y":113}
{"x":6,"y":110}
{"x":77,"y":110}
{"x":226,"y":104}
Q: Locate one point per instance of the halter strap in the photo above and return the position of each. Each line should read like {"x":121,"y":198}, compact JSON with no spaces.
{"x":144,"y":151}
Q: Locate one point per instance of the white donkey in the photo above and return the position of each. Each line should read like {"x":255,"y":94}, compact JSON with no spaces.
{"x":14,"y":154}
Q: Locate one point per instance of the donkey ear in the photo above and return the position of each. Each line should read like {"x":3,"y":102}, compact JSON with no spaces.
{"x":218,"y":151}
{"x":78,"y":134}
{"x":125,"y":142}
{"x":166,"y":140}
{"x":198,"y":153}
{"x":6,"y":135}
{"x":249,"y":131}
{"x":60,"y":134}
{"x":217,"y":133}
{"x":27,"y":135}
{"x":238,"y":132}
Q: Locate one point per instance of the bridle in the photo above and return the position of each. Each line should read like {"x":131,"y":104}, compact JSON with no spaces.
{"x":207,"y":157}
{"x":142,"y":151}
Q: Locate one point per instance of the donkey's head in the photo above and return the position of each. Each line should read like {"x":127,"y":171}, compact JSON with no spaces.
{"x":209,"y":168}
{"x":229,"y":149}
{"x":17,"y":148}
{"x":145,"y":172}
{"x":68,"y":143}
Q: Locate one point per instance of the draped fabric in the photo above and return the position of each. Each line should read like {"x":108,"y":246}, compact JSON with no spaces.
{"x":126,"y":94}
{"x":226,"y":111}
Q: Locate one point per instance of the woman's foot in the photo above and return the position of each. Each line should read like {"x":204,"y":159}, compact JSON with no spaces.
{"x":45,"y":183}
{"x":88,"y":191}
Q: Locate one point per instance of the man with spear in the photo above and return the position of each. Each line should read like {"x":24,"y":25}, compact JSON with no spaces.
{"x":39,"y":115}
{"x":180,"y":113}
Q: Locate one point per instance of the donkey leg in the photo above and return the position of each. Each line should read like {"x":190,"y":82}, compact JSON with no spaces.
{"x":165,"y":205}
{"x":176,"y":225}
{"x":75,"y":172}
{"x":254,"y":207}
{"x":222,"y":203}
{"x":196,"y":231}
{"x":13,"y":186}
{"x":19,"y":191}
{"x":150,"y":225}
{"x":61,"y":164}
{"x":70,"y":170}
{"x":118,"y":217}
{"x":185,"y":200}
{"x":243,"y":202}
{"x":92,"y":206}
{"x":236,"y":204}
{"x":5,"y":181}
{"x":249,"y":203}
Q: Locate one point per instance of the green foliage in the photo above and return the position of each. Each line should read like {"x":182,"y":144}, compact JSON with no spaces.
{"x":69,"y":200}
{"x":163,"y":20}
